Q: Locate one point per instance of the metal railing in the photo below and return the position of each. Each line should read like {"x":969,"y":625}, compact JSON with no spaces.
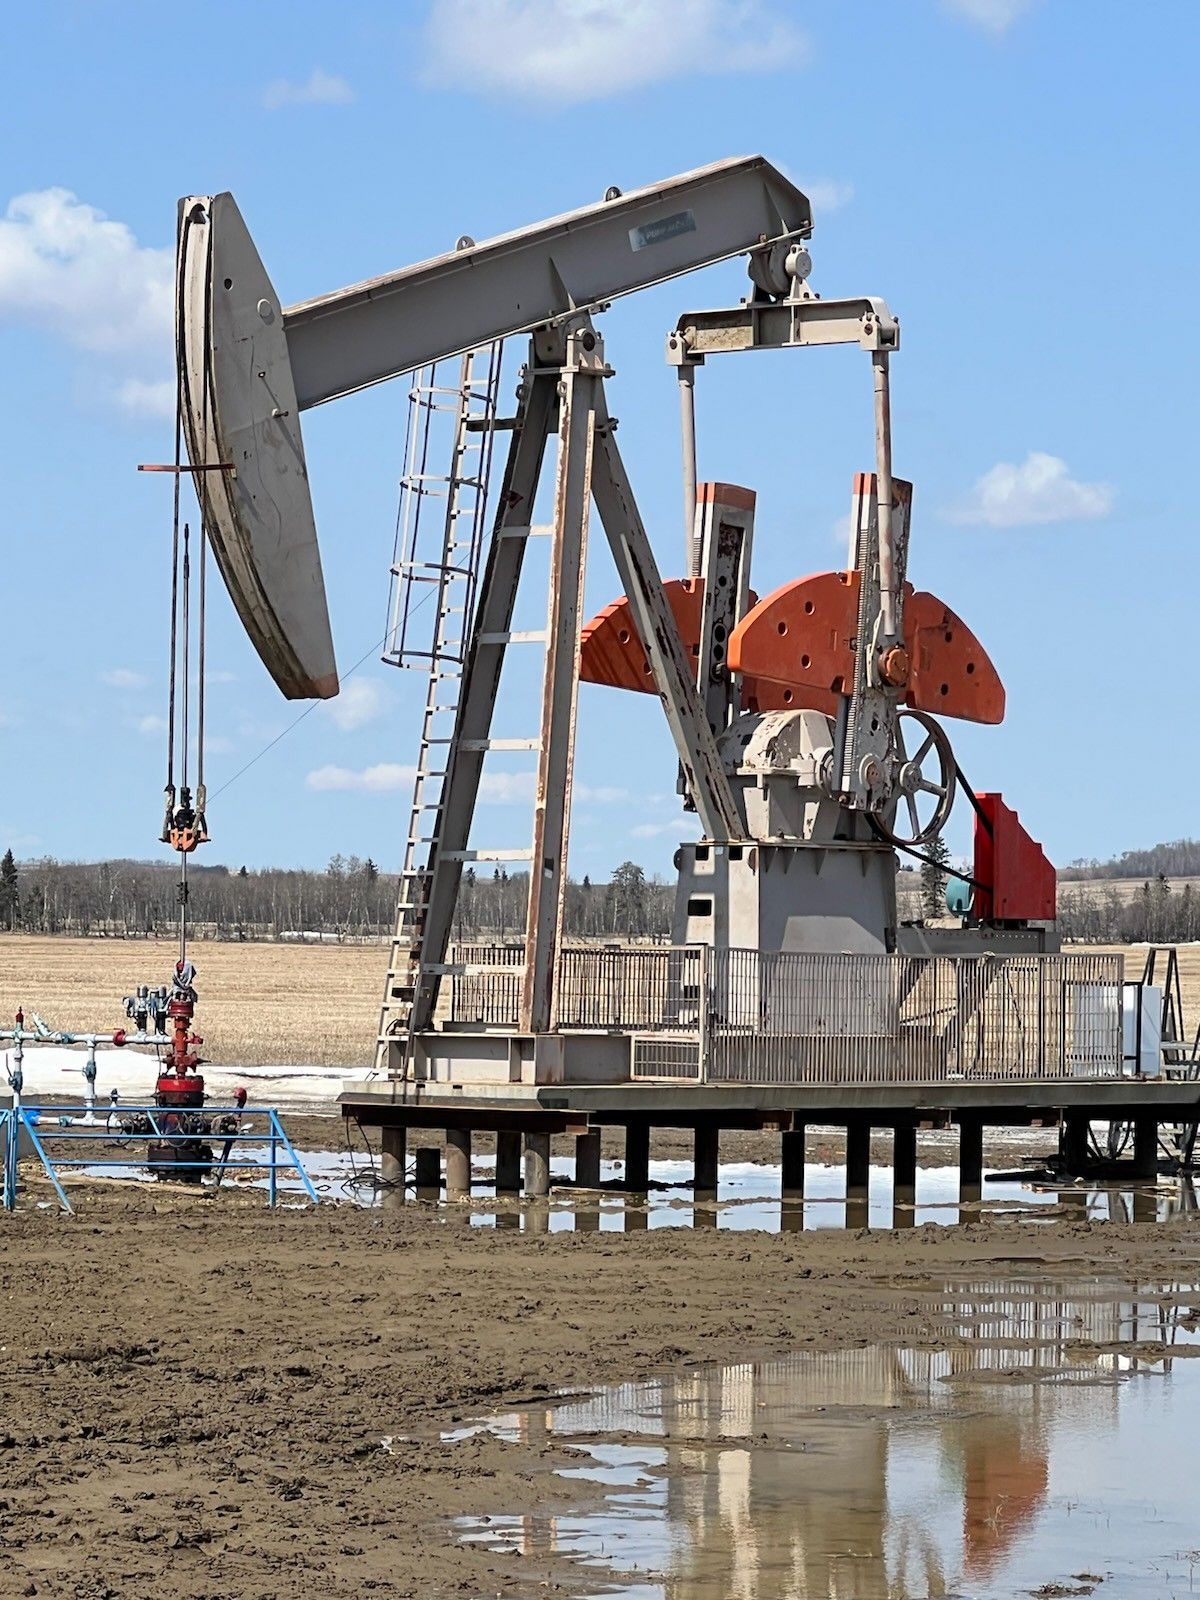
{"x":628,"y":989}
{"x":633,"y":990}
{"x":784,"y":1017}
{"x":487,"y":992}
{"x":747,"y":1016}
{"x":48,"y":1128}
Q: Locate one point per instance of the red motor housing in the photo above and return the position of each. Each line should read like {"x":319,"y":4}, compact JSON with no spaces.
{"x":1018,"y":883}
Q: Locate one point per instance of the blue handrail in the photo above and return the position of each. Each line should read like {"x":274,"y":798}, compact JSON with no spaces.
{"x":50,"y":1126}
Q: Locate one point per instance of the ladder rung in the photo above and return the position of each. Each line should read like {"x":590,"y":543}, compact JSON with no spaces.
{"x":486,"y":855}
{"x":499,"y":744}
{"x":536,"y":636}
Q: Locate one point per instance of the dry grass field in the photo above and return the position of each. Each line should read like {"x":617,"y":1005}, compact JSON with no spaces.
{"x":260,"y":1004}
{"x":271,"y":1004}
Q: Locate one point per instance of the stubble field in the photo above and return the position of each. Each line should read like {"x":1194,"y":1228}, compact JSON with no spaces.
{"x":271,"y":1004}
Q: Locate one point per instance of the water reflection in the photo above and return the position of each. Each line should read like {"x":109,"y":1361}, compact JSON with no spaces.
{"x":986,"y":1469}
{"x":749,"y":1197}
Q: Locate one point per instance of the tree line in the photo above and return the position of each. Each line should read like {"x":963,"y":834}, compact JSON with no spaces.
{"x":350,"y":900}
{"x":1155,"y":912}
{"x":1180,"y":858}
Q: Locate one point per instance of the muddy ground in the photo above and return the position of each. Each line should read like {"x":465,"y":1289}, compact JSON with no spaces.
{"x":195,"y":1394}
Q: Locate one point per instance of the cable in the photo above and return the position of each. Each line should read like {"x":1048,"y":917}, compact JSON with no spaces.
{"x":307,"y":712}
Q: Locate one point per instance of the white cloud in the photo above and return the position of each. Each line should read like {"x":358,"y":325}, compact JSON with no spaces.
{"x":384,"y":778}
{"x":66,"y":266}
{"x":1040,"y":490}
{"x":827,"y":194}
{"x":69,"y":269}
{"x":140,"y":398}
{"x":602,"y":796}
{"x":360,"y":701}
{"x":506,"y":788}
{"x":151,"y":724}
{"x":320,"y":88}
{"x":123,"y":678}
{"x":682,"y":825}
{"x":567,"y":51}
{"x":993,"y":16}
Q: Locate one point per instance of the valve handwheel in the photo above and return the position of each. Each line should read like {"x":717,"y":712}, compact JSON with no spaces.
{"x":916,"y":779}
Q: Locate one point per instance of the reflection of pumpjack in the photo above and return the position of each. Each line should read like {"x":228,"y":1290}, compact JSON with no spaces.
{"x":844,"y":1517}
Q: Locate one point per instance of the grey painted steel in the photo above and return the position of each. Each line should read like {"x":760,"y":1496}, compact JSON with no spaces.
{"x":686,"y":374}
{"x":458,"y":1163}
{"x":249,"y":368}
{"x":674,"y":676}
{"x":766,"y":325}
{"x":582,"y":373}
{"x":239,"y":408}
{"x":1007,"y":1102}
{"x":371,"y":331}
{"x":508,"y":1161}
{"x":537,"y":1165}
{"x":481,"y":678}
{"x":726,"y":541}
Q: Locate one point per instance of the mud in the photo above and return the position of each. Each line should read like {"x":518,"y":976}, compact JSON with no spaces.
{"x":200,"y":1398}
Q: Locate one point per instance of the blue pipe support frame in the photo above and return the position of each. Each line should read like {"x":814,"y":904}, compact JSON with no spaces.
{"x":8,"y":1139}
{"x":46,"y":1125}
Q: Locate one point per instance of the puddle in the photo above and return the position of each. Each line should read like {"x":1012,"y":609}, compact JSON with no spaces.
{"x":748,"y":1197}
{"x":1021,"y":1463}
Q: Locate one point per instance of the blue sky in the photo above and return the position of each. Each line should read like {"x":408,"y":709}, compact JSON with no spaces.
{"x":1015,"y":177}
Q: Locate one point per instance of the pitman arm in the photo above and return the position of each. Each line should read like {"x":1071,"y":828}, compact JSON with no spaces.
{"x":248,"y":367}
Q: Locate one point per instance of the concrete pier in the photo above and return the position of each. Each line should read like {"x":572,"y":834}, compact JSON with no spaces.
{"x":508,"y":1161}
{"x":587,"y":1160}
{"x":706,"y":1169}
{"x":858,"y":1159}
{"x":458,"y":1163}
{"x":1073,"y":1142}
{"x":791,"y":1155}
{"x":428,"y":1173}
{"x":394,"y":1153}
{"x":537,"y":1166}
{"x":970,"y":1157}
{"x":1145,"y":1147}
{"x":904,"y":1161}
{"x":637,"y":1157}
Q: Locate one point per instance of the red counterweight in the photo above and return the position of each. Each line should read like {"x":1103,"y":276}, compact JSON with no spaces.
{"x":1019,"y":883}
